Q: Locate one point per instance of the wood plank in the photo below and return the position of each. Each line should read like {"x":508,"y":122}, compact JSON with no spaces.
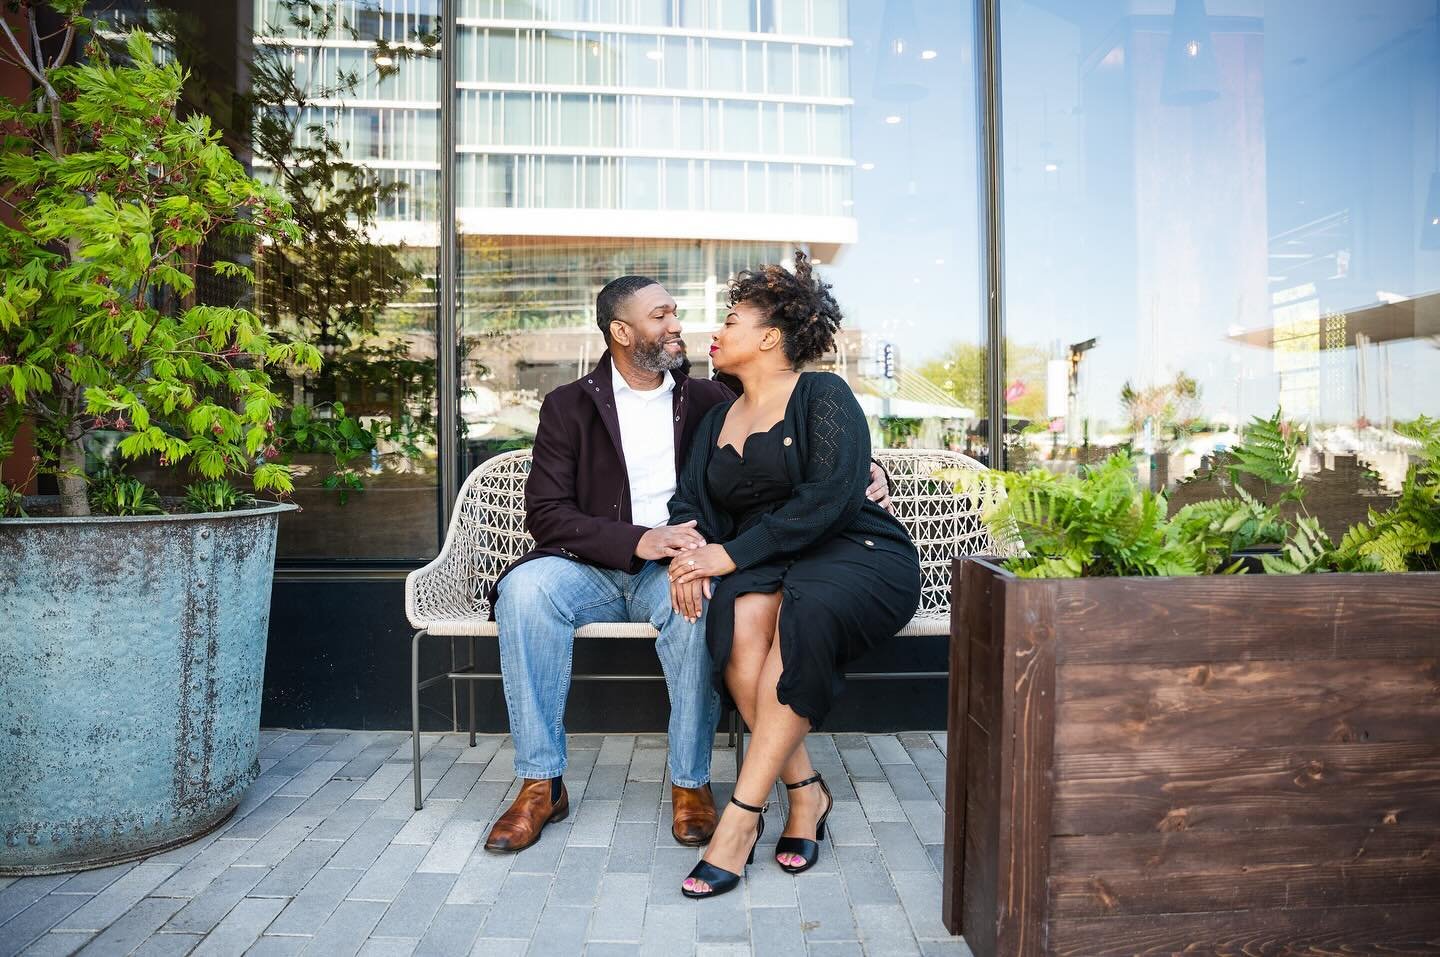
{"x":965,"y":580}
{"x":1239,"y":787}
{"x":1027,"y":738}
{"x":1110,"y":708}
{"x":1390,"y":929}
{"x":1197,"y":871}
{"x":1221,"y":618}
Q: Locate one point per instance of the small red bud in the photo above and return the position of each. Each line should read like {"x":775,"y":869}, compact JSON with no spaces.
{"x":73,"y":348}
{"x":217,"y":428}
{"x":121,"y":424}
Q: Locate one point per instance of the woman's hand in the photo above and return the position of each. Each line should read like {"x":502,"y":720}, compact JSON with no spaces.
{"x":689,"y":600}
{"x":704,"y":563}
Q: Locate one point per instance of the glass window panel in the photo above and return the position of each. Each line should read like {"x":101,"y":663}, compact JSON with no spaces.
{"x":517,"y":112}
{"x":742,"y":127}
{"x":1261,"y":184}
{"x":560,"y":57}
{"x":770,"y":127}
{"x":727,"y":186}
{"x":573,"y":126}
{"x":651,"y":13}
{"x":795,"y":129}
{"x":724,"y":64}
{"x":832,"y":130}
{"x":755,"y":67}
{"x":790,"y":16}
{"x":502,"y":57}
{"x":690,"y":124}
{"x":677,"y":184}
{"x":779,"y":68}
{"x":828,"y":17}
{"x":810,"y":70}
{"x":642,"y":57}
{"x":678,"y":66}
{"x":657,"y":123}
{"x":642,"y":183}
{"x":559,"y":182}
{"x":733,"y":15}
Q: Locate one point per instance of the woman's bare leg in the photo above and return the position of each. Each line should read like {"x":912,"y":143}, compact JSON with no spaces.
{"x":775,"y":734}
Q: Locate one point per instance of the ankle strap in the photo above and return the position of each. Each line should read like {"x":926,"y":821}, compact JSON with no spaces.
{"x":808,"y":781}
{"x":749,"y":807}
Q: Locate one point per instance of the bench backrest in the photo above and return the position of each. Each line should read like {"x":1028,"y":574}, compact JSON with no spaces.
{"x":489,"y":523}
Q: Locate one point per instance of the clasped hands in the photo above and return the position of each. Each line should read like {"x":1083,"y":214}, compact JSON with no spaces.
{"x":693,"y":563}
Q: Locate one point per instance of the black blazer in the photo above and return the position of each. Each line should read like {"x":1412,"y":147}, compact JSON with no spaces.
{"x":827,"y":448}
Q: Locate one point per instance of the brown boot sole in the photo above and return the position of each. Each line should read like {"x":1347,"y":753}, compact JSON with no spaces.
{"x":698,"y":842}
{"x":559,"y":815}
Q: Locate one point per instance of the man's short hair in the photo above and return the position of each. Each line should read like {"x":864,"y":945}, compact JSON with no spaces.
{"x":613,"y":296}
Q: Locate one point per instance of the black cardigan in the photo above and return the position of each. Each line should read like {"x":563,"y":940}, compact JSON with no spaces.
{"x":827,"y":446}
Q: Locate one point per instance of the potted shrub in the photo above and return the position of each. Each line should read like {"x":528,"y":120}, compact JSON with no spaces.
{"x":134,"y":627}
{"x":1154,"y":750}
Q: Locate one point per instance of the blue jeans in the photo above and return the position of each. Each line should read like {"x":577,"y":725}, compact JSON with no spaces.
{"x":541,"y":603}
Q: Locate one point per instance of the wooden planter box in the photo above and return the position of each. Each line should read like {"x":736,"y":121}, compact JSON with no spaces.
{"x":1236,"y":765}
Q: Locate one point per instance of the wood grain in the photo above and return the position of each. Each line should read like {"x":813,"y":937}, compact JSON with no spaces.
{"x":962,"y":580}
{"x":1126,"y":874}
{"x":1232,"y":788}
{"x":1027,"y":740}
{"x":1112,"y":708}
{"x":1223,"y":618}
{"x":1312,"y":932}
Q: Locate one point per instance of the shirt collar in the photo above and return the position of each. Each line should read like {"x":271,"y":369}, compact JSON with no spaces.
{"x":618,"y":383}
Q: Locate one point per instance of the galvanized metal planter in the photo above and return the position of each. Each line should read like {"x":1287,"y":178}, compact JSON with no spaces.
{"x":132,"y":652}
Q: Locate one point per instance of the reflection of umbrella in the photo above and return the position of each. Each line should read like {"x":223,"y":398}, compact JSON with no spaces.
{"x":1012,"y":425}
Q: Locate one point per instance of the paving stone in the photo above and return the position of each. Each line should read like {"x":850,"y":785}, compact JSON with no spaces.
{"x":453,"y":846}
{"x":825,"y":908}
{"x":425,"y":825}
{"x":138,"y":923}
{"x":884,"y":930}
{"x":285,"y":744}
{"x":211,"y":905}
{"x":641,"y":802}
{"x":542,"y":856}
{"x":345,"y":932}
{"x":595,"y":823}
{"x":384,"y":879}
{"x":389,"y":947}
{"x":937,"y":856}
{"x":671,"y":865}
{"x":931,"y":763}
{"x":310,"y":908}
{"x":776,"y":930}
{"x":22,"y":892}
{"x":847,"y":824}
{"x":561,"y":931}
{"x":342,"y":823}
{"x":109,"y":905}
{"x":167,"y":945}
{"x":620,"y":910}
{"x":36,"y":920}
{"x":766,"y":885}
{"x":271,"y":849}
{"x":865,"y":876}
{"x":383,"y":782}
{"x":517,"y":908}
{"x":939,"y":738}
{"x":860,"y":762}
{"x":585,"y":742}
{"x":908,"y":783}
{"x":616,"y":749}
{"x":902,"y":850}
{"x":632,"y":849}
{"x":928,"y":819}
{"x":612,"y":949}
{"x":268,"y":946}
{"x":501,"y":767}
{"x":669,"y":929}
{"x":722,"y":950}
{"x":722,"y":766}
{"x":193,"y":877}
{"x":920,"y":897}
{"x":299,"y":759}
{"x":240,"y":928}
{"x":647,"y":764}
{"x":954,"y":947}
{"x":310,"y":780}
{"x":324,"y":802}
{"x":93,"y":882}
{"x":58,"y":943}
{"x":577,"y":876}
{"x":484,"y":751}
{"x":481,"y":878}
{"x":415,"y":906}
{"x":916,"y":741}
{"x":453,"y":931}
{"x":367,"y":844}
{"x":456,"y":782}
{"x":296,"y":870}
{"x":258,"y":822}
{"x":606,"y":782}
{"x":718,"y":919}
{"x":888,"y":749}
{"x":836,"y":948}
{"x":483,"y":803}
{"x":879,"y":801}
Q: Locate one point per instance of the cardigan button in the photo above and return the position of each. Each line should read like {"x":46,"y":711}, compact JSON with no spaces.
{"x":787,"y":440}
{"x":870,"y":543}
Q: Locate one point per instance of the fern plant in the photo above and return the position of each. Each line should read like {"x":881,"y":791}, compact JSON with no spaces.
{"x":1406,"y":536}
{"x":122,"y":495}
{"x":216,"y":495}
{"x":12,"y":504}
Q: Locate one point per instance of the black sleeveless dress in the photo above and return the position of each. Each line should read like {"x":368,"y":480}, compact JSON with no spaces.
{"x":841,"y":597}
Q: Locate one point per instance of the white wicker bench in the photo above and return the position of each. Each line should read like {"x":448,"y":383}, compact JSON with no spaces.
{"x":449,"y":596}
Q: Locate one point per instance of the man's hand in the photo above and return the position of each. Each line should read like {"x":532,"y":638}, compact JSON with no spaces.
{"x":667,"y":541}
{"x":686,"y":599}
{"x":879,"y":490}
{"x":700,"y":565}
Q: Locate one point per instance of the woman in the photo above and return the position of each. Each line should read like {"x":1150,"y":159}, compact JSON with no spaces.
{"x":811,"y":574}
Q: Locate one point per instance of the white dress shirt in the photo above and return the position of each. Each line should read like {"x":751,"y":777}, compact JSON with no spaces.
{"x":647,"y":436}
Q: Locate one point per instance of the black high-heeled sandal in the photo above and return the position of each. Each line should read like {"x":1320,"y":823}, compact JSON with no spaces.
{"x":810,"y":850}
{"x":720,"y":880}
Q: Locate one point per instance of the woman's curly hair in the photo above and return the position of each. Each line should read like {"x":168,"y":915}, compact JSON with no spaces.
{"x":797,"y":303}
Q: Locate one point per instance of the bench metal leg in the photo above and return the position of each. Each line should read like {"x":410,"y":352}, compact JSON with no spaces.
{"x":470,"y":685}
{"x":415,"y":713}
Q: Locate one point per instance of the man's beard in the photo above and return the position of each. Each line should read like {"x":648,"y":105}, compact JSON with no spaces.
{"x":654,"y":357}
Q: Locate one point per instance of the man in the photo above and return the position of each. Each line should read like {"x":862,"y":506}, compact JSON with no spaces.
{"x":607,"y":450}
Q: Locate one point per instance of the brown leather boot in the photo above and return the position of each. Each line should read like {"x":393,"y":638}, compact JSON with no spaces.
{"x":695,"y":816}
{"x":520,"y":826}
